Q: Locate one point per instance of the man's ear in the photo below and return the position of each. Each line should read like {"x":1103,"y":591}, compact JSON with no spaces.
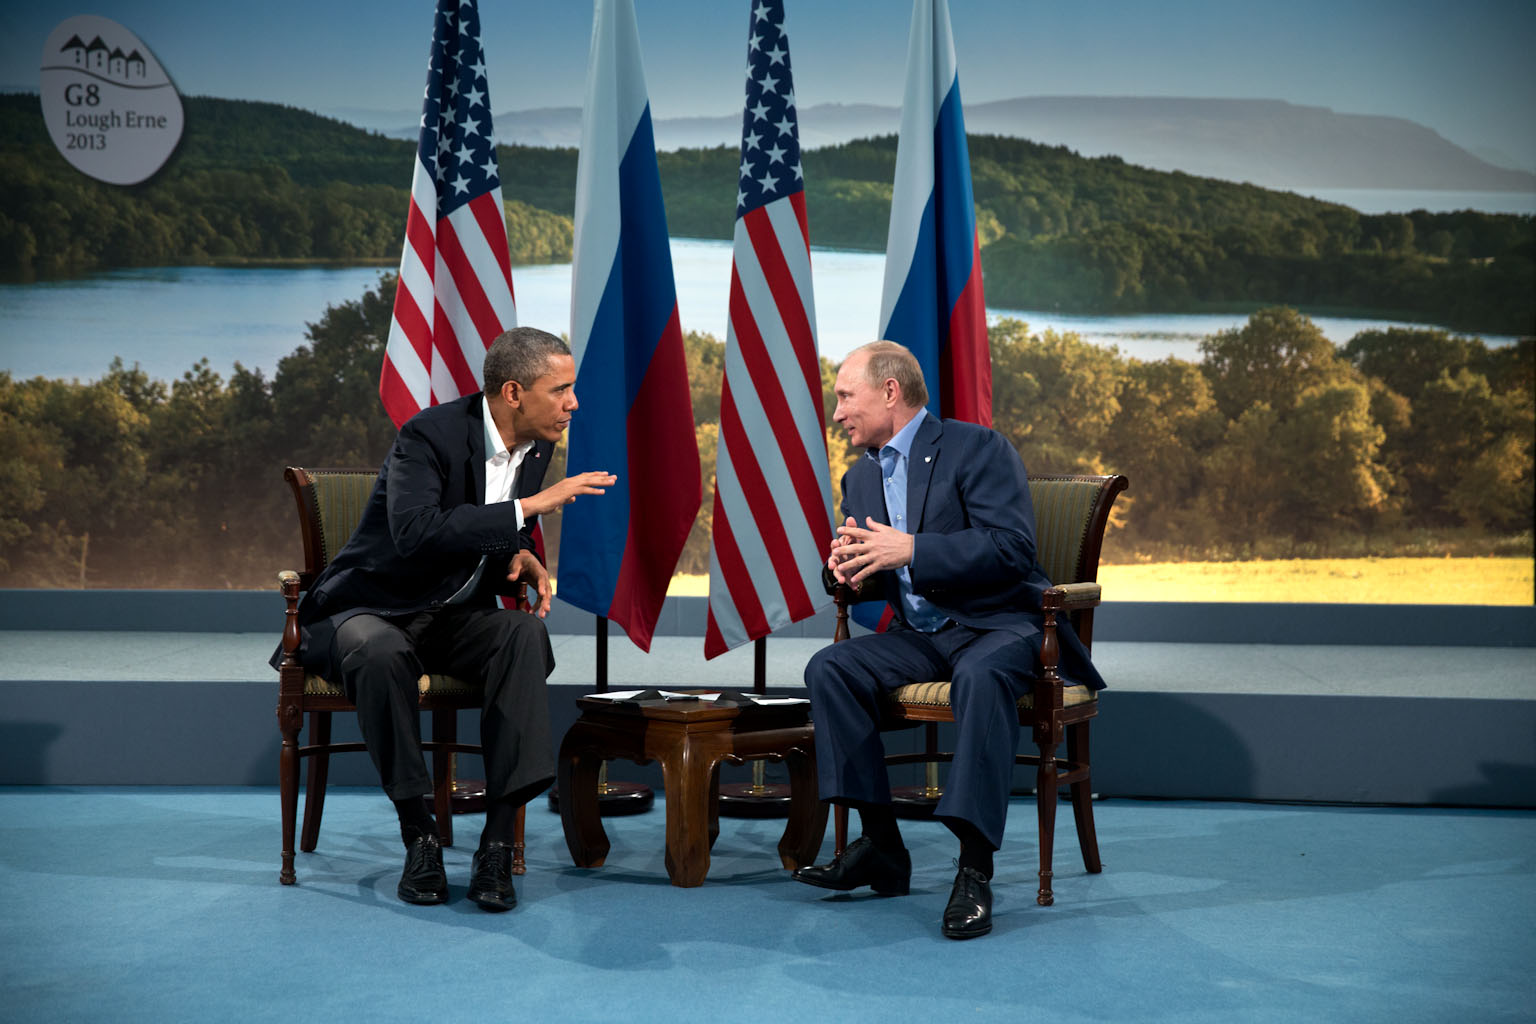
{"x":512,"y":393}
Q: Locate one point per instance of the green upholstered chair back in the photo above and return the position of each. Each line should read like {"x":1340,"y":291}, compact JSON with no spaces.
{"x":1071,"y":512}
{"x":331,"y":503}
{"x":340,"y":498}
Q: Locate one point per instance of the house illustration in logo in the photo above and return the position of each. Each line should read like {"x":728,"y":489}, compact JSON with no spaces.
{"x":97,"y":57}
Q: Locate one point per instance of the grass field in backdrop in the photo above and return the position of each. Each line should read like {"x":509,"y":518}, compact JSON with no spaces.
{"x":1448,"y":581}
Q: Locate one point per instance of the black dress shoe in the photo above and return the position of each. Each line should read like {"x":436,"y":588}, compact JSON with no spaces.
{"x":888,"y":872}
{"x":969,"y":912}
{"x":490,"y":877}
{"x":424,"y":881}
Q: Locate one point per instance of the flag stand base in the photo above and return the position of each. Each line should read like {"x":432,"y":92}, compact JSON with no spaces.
{"x":614,"y":799}
{"x":755,"y":799}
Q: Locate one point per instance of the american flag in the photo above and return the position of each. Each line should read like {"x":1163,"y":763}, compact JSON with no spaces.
{"x":455,"y":293}
{"x":773,"y":496}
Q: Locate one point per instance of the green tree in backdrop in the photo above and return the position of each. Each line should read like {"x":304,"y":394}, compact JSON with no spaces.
{"x":1273,"y":444}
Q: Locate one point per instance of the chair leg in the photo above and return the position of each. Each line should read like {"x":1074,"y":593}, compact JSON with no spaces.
{"x":1082,"y":798}
{"x":931,"y":789}
{"x":314,"y":787}
{"x":289,"y":721}
{"x":445,"y":729}
{"x":519,"y":864}
{"x":1045,"y":799}
{"x":839,"y":829}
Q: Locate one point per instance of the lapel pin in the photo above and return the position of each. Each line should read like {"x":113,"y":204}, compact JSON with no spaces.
{"x":927,"y":458}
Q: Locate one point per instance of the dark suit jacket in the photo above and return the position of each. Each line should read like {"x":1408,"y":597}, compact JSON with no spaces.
{"x":425,"y":529}
{"x":968,"y":496}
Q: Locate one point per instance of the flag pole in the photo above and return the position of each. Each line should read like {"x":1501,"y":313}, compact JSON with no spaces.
{"x":455,"y":193}
{"x":941,"y":319}
{"x":772,"y":498}
{"x":758,"y":798}
{"x":614,"y":799}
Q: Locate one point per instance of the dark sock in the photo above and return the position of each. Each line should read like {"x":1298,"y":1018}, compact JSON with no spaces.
{"x":500,"y":820}
{"x":975,"y":851}
{"x":879,"y":825}
{"x":415,"y":818}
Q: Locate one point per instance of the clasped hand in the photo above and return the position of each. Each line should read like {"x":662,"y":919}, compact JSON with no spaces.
{"x":858,"y":552}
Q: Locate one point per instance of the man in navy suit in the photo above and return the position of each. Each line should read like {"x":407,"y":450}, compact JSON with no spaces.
{"x":449,"y":525}
{"x":938,"y":522}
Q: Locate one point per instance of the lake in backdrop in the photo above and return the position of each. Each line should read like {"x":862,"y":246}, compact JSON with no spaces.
{"x":166,"y":318}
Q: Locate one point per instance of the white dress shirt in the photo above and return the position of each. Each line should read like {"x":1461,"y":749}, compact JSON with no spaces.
{"x":501,"y":465}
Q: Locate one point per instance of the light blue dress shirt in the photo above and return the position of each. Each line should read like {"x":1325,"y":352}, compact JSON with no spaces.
{"x":918,"y":611}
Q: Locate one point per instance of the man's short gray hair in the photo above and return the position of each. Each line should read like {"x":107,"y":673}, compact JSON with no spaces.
{"x":521,"y":354}
{"x":887,"y":359}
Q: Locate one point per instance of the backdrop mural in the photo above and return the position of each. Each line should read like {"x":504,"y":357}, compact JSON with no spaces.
{"x":1279,"y":267}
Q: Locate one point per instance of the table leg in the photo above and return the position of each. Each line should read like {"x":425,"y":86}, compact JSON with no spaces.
{"x":576,"y":774}
{"x":714,"y":806}
{"x":807,"y":822}
{"x":687,"y":773}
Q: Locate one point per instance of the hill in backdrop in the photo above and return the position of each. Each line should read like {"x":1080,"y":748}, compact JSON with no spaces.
{"x":1266,"y":142}
{"x":1094,"y":235}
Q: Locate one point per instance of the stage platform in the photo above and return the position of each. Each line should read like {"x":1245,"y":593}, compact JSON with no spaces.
{"x":1431,"y":725}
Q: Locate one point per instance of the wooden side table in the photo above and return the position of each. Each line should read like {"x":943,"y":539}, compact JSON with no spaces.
{"x":690,"y":738}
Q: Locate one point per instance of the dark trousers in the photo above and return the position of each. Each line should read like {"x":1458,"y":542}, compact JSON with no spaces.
{"x":508,"y":652}
{"x":989,"y":670}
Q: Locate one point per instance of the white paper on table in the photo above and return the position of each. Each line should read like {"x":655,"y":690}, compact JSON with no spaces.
{"x":781,"y":700}
{"x":617,"y":695}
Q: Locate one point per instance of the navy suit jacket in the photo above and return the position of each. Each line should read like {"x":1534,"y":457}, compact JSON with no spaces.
{"x":425,"y":529}
{"x":968,"y":498}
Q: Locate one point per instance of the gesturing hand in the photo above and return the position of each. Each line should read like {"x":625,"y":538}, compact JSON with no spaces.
{"x":525,"y":568}
{"x":868,"y":550}
{"x":566,"y":491}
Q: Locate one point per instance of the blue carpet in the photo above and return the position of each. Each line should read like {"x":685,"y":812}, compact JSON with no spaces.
{"x":163,"y":904}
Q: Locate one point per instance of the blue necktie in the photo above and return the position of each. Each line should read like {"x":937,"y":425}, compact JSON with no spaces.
{"x":919,"y":613}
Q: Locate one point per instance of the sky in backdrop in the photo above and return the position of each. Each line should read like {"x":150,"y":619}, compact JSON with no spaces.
{"x":1461,"y":67}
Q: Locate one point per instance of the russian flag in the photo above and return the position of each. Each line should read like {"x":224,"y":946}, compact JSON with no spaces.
{"x":932,"y":301}
{"x":618,"y":551}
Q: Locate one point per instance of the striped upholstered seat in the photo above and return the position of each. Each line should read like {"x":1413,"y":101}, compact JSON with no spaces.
{"x":936,"y":695}
{"x":1071,"y":513}
{"x":427,"y":685}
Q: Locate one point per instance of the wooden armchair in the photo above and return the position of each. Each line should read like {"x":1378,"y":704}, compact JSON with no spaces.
{"x":1071,"y":513}
{"x":331,"y":503}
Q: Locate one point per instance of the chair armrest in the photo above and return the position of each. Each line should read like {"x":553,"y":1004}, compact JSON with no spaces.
{"x":1048,"y":699}
{"x":1076,"y":596}
{"x":288,"y":583}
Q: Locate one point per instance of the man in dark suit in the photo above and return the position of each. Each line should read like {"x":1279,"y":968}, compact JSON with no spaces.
{"x":449,"y":525}
{"x":938,"y":522}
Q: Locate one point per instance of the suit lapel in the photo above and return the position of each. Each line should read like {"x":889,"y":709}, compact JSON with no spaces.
{"x":531,"y":475}
{"x":920,"y":463}
{"x":476,"y":453}
{"x":871,"y":490}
